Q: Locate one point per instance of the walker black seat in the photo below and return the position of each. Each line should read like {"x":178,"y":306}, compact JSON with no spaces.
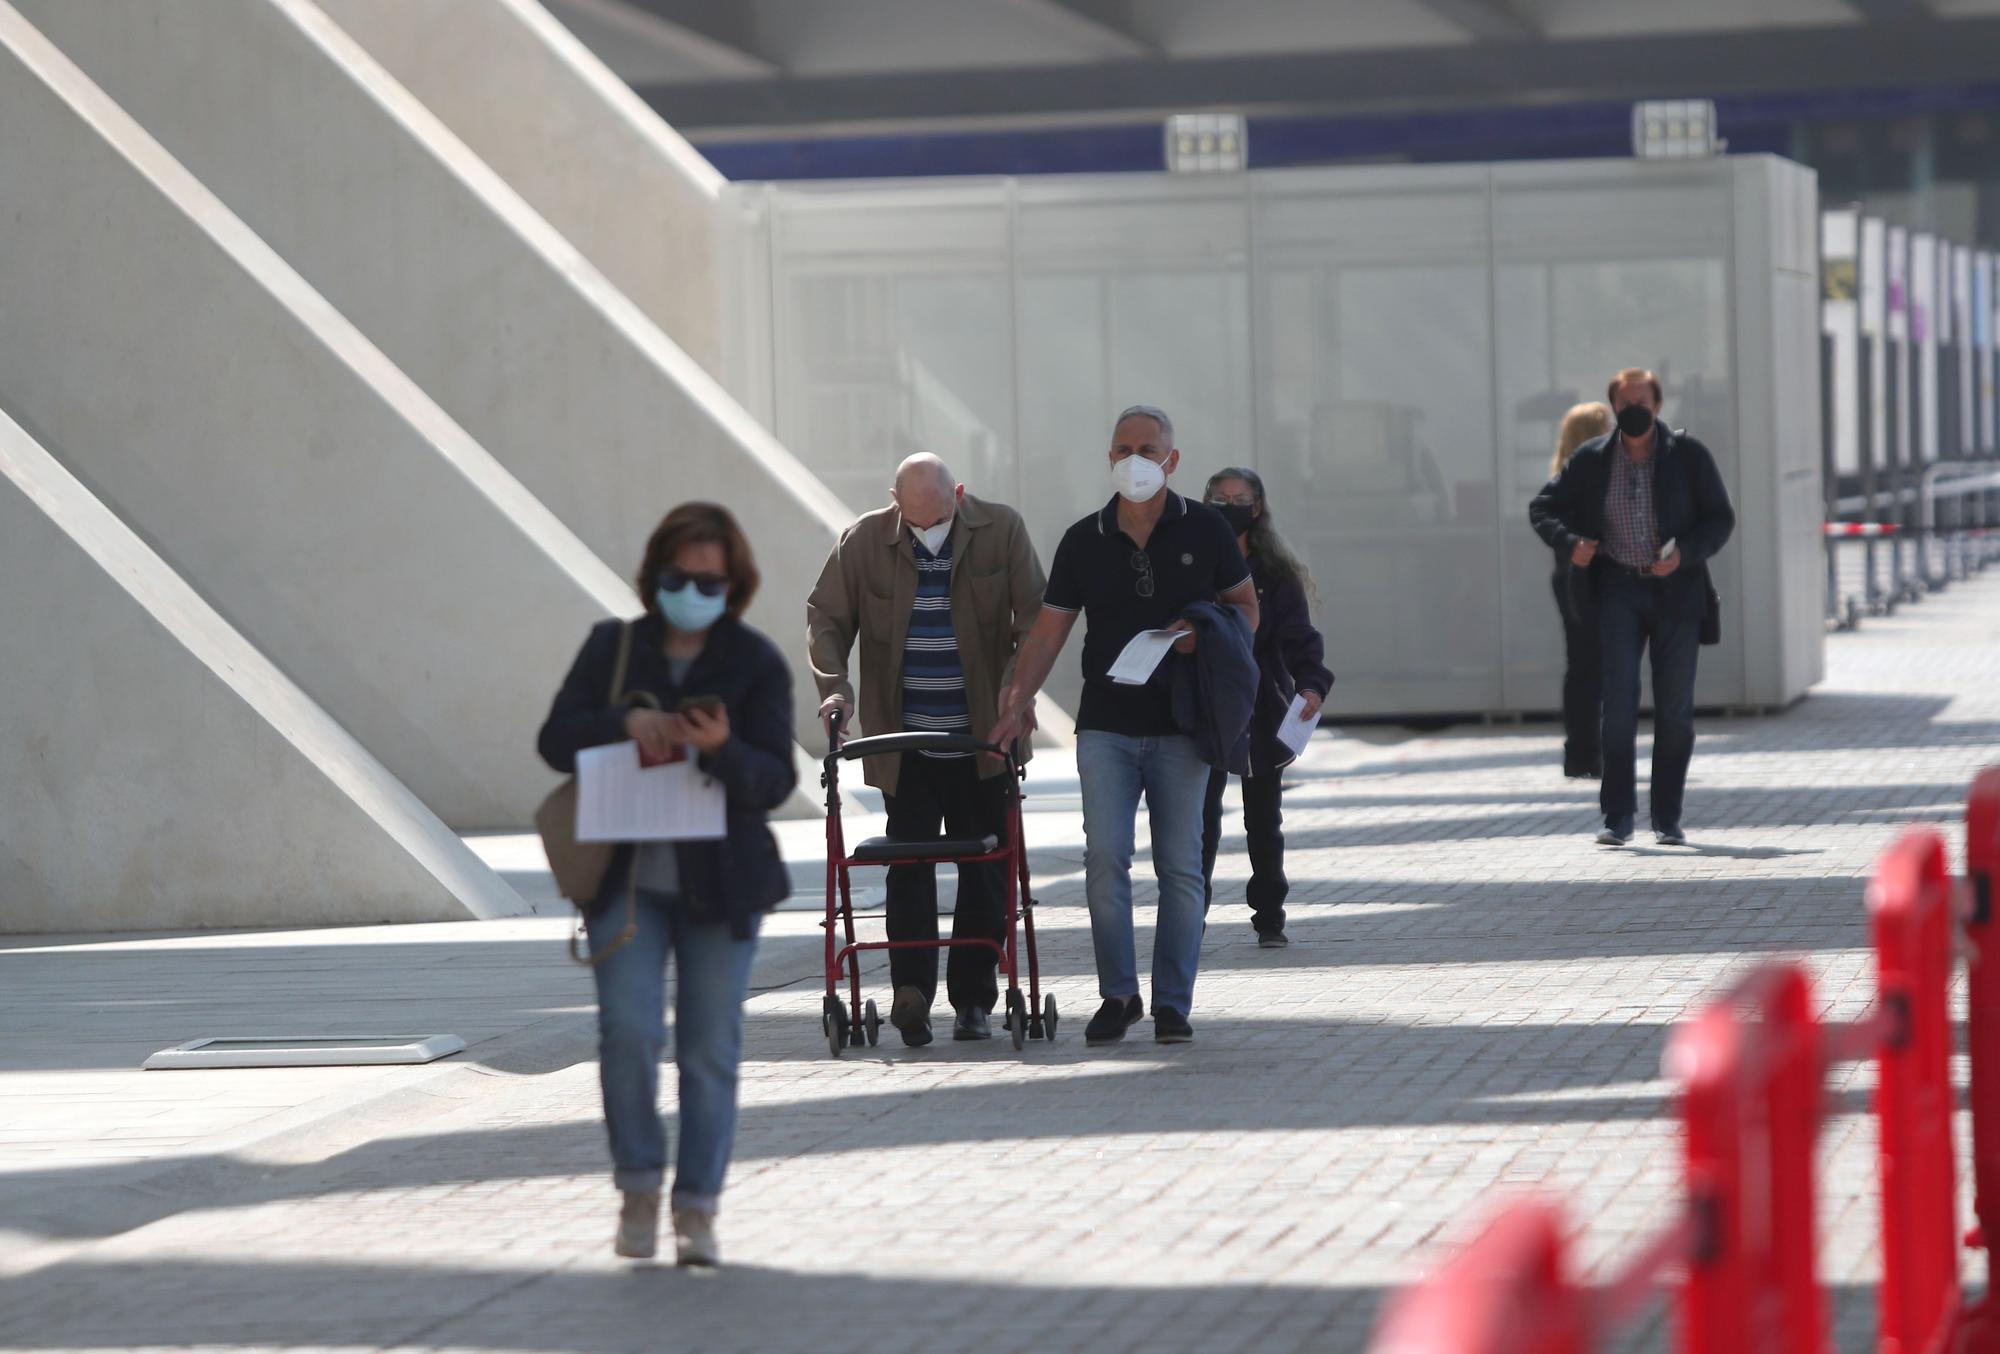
{"x":935,"y":848}
{"x":912,"y":742}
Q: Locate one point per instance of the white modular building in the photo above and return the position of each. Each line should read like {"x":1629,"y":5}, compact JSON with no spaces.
{"x":1390,"y":348}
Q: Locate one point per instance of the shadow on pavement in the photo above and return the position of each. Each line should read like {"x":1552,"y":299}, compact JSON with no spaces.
{"x":287,"y":1305}
{"x":1345,"y":1075}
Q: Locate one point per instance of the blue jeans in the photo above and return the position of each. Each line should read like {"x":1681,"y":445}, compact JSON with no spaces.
{"x":1115,"y":770}
{"x":1634,"y":614}
{"x":713,"y":972}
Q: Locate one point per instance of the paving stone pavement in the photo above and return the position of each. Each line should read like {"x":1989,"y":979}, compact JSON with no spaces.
{"x":1476,"y":1001}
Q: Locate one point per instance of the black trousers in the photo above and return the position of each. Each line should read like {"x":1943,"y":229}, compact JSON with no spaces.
{"x":1263,"y":819}
{"x":1583,"y":690}
{"x":933,"y":793}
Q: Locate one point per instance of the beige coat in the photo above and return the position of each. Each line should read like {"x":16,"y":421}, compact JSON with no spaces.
{"x":868,"y":589}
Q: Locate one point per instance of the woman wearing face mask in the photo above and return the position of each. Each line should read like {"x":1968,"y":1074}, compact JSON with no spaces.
{"x":1582,"y":670}
{"x":1290,"y":656}
{"x":724,"y":697}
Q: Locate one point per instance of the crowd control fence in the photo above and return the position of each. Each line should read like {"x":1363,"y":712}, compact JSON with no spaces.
{"x":1738,"y":1255}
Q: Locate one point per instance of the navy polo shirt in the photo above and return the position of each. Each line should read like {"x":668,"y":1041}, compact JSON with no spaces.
{"x":1192,"y":556}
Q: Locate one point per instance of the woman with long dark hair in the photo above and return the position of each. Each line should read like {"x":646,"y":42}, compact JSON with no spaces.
{"x":1290,"y":662}
{"x":697,"y":683}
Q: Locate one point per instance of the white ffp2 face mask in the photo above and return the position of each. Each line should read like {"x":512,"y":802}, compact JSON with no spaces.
{"x":1137,"y":479}
{"x":933,"y":537}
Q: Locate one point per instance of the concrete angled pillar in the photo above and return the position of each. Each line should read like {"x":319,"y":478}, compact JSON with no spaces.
{"x":572,"y":139}
{"x":459,"y":282}
{"x":160,"y":773}
{"x":274,"y":458}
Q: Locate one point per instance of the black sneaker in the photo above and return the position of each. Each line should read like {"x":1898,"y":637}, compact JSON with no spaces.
{"x":1171,"y":1027}
{"x":1670,"y":836}
{"x":1272,"y":940}
{"x":1117,"y":1015}
{"x":972,"y":1023}
{"x":1615,"y":834}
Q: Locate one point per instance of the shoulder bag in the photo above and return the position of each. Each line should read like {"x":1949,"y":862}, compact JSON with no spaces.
{"x":580,"y":867}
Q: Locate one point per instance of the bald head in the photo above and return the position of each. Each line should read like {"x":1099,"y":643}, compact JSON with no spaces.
{"x":925,"y":490}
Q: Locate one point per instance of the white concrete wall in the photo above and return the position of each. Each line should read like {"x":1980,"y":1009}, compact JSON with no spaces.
{"x":459,"y":282}
{"x":272,"y":456}
{"x":1779,"y":549}
{"x":572,"y":139}
{"x":159,"y":772}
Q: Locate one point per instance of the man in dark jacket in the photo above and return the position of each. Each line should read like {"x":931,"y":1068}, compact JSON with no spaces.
{"x":1640,"y":512}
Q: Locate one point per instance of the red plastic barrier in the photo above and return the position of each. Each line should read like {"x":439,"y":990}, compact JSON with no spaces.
{"x":1982,"y":930}
{"x":1751,"y":1067}
{"x":1750,"y":1072}
{"x":1909,"y":905}
{"x":1508,"y":1292}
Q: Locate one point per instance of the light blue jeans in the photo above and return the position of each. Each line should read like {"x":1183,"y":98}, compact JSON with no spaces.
{"x":712,"y":973}
{"x":1115,"y":770}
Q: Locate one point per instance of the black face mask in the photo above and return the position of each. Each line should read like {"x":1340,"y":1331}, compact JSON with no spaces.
{"x":1238,"y":515}
{"x":1635,"y":420}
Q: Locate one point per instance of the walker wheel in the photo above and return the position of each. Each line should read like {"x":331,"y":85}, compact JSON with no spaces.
{"x":1017,"y":1019}
{"x":1049,"y":1016}
{"x":871,"y":1021}
{"x":836,"y":1026}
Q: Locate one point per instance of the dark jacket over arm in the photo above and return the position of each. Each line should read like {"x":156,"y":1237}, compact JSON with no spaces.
{"x":743,"y":874}
{"x":1215,"y":687}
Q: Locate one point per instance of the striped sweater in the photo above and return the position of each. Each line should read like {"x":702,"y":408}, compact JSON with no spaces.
{"x":933,"y":679}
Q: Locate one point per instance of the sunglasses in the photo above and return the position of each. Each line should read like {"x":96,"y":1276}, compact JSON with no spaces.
{"x":1144,"y":564}
{"x":708,"y":585}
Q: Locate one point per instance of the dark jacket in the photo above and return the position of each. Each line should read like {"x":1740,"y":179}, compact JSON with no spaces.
{"x":1690,"y":505}
{"x":742,"y":875}
{"x":1290,"y":659}
{"x":1215,"y":687}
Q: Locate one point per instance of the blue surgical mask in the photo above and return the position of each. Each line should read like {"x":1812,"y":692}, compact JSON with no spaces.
{"x":688,"y":608}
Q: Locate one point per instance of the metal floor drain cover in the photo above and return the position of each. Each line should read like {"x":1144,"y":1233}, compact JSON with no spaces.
{"x":310,"y":1050}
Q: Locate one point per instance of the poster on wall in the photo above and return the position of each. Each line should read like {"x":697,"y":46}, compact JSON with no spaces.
{"x":1965,"y":381}
{"x":1873,"y":267}
{"x":1840,"y":319}
{"x":1983,"y":320}
{"x":1897,"y":450}
{"x":1923,"y":307}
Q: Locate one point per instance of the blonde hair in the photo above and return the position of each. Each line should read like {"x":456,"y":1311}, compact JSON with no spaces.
{"x":1579,"y":425}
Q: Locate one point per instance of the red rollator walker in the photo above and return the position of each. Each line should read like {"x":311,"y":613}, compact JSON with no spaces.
{"x":853,"y":1023}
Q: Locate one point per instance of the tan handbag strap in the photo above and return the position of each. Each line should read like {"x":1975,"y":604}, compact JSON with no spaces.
{"x":615,"y":697}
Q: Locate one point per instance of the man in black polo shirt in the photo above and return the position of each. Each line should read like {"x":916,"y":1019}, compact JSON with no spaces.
{"x":1135,"y":565}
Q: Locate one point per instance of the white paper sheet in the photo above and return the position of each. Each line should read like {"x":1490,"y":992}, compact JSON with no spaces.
{"x":1134,"y":666}
{"x":620,"y":801}
{"x":1295,"y":730}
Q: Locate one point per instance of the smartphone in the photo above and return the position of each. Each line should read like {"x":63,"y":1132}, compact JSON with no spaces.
{"x":1667,"y":549}
{"x":707,"y":705}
